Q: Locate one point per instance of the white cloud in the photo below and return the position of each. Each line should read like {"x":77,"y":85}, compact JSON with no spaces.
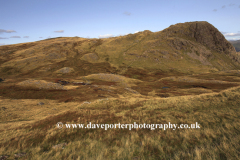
{"x":15,"y":37}
{"x":233,"y":39}
{"x":223,"y":6}
{"x":231,"y":34}
{"x":60,"y":31}
{"x":136,"y":31}
{"x":40,"y":37}
{"x":3,"y":38}
{"x":105,"y":36}
{"x":6,"y":31}
{"x":124,"y":34}
{"x":26,"y":37}
{"x":215,"y":10}
{"x":127,"y":13}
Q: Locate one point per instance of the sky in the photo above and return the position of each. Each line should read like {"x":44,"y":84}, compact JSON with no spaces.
{"x":24,"y":21}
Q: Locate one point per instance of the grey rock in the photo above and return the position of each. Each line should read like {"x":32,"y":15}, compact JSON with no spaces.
{"x":59,"y":146}
{"x":65,"y":70}
{"x":18,"y":155}
{"x":40,"y":103}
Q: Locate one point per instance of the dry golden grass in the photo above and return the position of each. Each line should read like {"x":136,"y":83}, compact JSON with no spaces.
{"x":194,"y":91}
{"x":217,"y":114}
{"x":155,"y":78}
{"x":189,"y":79}
{"x":127,"y":82}
{"x":42,"y":84}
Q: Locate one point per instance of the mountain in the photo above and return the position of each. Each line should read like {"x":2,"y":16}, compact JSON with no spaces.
{"x":184,"y":77}
{"x":236,"y":44}
{"x":192,"y":47}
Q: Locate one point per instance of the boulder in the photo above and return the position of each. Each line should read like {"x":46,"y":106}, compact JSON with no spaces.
{"x":40,"y":103}
{"x":65,"y":70}
{"x":90,"y":57}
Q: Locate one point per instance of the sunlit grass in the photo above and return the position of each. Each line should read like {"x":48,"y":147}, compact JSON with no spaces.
{"x":152,"y":78}
{"x":216,"y":139}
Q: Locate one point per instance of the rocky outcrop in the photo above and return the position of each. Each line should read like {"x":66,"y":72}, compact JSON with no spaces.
{"x":65,"y":70}
{"x":203,"y":33}
{"x":90,"y":57}
{"x":209,"y":36}
{"x":186,"y":36}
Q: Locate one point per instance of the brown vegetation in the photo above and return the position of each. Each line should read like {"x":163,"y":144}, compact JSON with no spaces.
{"x":186,"y":73}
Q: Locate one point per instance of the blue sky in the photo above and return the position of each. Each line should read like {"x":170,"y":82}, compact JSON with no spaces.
{"x":27,"y":20}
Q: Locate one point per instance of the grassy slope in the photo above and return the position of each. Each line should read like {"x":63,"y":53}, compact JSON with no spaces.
{"x":217,"y":137}
{"x":129,"y":78}
{"x":162,"y":50}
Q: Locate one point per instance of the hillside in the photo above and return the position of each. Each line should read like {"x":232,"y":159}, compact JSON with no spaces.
{"x":236,"y":44}
{"x":192,"y":47}
{"x":186,"y":74}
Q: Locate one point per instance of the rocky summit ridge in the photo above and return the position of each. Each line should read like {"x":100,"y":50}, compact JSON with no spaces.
{"x":203,"y":33}
{"x":191,"y":47}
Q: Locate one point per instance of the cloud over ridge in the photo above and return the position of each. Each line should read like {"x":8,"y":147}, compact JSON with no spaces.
{"x":231,"y":34}
{"x":105,"y":36}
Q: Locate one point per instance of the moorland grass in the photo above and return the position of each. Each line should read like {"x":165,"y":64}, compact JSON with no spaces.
{"x":217,"y":137}
{"x":141,"y":88}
